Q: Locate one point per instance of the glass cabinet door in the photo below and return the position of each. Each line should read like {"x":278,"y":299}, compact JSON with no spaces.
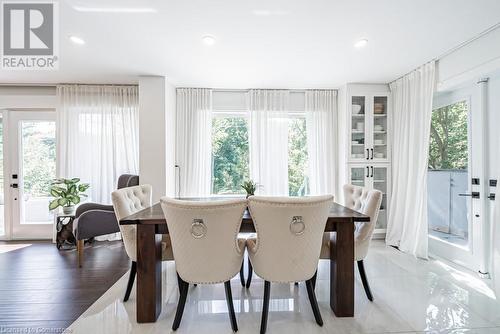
{"x":358,"y":135}
{"x":357,"y":176}
{"x":379,"y":139}
{"x":379,"y":179}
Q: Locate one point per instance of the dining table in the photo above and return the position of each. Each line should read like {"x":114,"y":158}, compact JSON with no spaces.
{"x":151,"y":224}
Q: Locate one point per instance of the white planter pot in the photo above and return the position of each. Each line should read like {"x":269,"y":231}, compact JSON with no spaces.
{"x":68,"y":210}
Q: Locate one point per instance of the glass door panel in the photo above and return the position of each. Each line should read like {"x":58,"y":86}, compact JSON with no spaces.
{"x":379,"y":139}
{"x":32,"y":136}
{"x":380,"y":183}
{"x":448,"y":174}
{"x":358,"y":176}
{"x":2,"y":193}
{"x":358,"y":135}
{"x":38,"y":169}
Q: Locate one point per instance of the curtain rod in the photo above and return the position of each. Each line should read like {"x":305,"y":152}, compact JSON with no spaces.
{"x":56,"y":84}
{"x":247,"y":89}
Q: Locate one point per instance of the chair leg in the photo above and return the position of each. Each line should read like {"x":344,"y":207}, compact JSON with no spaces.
{"x":250,"y":271}
{"x":313,"y":280}
{"x":362,"y":273}
{"x":79,"y":249}
{"x":314,"y":302}
{"x":183,"y":288}
{"x":265,"y":307}
{"x":230,"y":306}
{"x":242,"y":274}
{"x":131,"y":279}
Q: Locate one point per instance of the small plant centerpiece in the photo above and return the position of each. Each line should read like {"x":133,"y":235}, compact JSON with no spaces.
{"x":67,"y":193}
{"x":250,"y":187}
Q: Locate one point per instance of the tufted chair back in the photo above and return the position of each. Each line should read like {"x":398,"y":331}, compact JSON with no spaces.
{"x":127,"y":201}
{"x":289,"y":234}
{"x":367,"y":202}
{"x":204,"y":238}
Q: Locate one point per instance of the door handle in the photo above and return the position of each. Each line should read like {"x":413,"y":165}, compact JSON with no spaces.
{"x":367,"y":154}
{"x":474,"y":194}
{"x":14,"y":185}
{"x":372,"y":154}
{"x":372,"y":171}
{"x":367,"y":171}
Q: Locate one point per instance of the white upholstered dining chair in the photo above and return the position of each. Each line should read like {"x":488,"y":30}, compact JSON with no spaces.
{"x":205,"y":245}
{"x":366,"y":201}
{"x":128,"y":201}
{"x":288,"y":242}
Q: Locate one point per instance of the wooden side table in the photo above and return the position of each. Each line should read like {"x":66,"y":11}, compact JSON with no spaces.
{"x":64,"y":229}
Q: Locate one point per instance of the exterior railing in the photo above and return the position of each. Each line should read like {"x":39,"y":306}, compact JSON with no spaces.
{"x":447,"y":211}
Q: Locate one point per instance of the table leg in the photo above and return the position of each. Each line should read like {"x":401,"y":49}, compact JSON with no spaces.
{"x":148,"y":274}
{"x":342,"y":270}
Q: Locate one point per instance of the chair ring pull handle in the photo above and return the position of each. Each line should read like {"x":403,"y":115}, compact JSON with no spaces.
{"x":297,"y":225}
{"x":198,"y":229}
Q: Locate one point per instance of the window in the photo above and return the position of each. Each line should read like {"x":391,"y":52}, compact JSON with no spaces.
{"x":448,"y":144}
{"x":230,"y":154}
{"x":297,"y":157}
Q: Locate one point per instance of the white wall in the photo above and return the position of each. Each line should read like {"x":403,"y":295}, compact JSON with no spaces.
{"x":170,"y":130}
{"x":28,"y":97}
{"x":480,"y":57}
{"x":235,"y":100}
{"x":157,"y":134}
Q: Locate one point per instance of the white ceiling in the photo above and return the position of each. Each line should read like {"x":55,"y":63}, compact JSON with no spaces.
{"x":265,"y":44}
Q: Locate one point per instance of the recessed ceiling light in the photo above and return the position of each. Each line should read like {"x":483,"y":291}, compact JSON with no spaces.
{"x":208,"y":39}
{"x":76,"y":40}
{"x":361,"y":43}
{"x":115,"y":9}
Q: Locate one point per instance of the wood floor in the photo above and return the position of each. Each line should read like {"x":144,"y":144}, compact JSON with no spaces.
{"x":41,"y":287}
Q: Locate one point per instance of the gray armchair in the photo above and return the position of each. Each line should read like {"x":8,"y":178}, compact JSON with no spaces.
{"x":93,"y":220}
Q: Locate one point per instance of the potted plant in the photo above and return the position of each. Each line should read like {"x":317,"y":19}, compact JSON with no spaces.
{"x":250,"y":187}
{"x":67,"y":193}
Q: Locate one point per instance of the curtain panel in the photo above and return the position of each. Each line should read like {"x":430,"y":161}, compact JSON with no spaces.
{"x":268,"y":139}
{"x":411,"y":98}
{"x":321,"y":123}
{"x":194,"y":141}
{"x":98,"y":135}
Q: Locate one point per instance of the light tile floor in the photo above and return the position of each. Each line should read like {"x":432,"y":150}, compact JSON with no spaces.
{"x":411,"y":296}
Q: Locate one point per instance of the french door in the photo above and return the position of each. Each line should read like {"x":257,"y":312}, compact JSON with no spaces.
{"x":30,"y":156}
{"x":456,"y":180}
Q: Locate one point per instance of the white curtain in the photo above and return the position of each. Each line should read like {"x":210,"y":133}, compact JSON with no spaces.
{"x":411,"y":98}
{"x":194,"y":141}
{"x":268,"y":138}
{"x":97,"y":135}
{"x":321,"y":123}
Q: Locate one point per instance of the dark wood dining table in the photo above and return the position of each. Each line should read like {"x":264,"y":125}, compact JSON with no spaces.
{"x":151,"y":224}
